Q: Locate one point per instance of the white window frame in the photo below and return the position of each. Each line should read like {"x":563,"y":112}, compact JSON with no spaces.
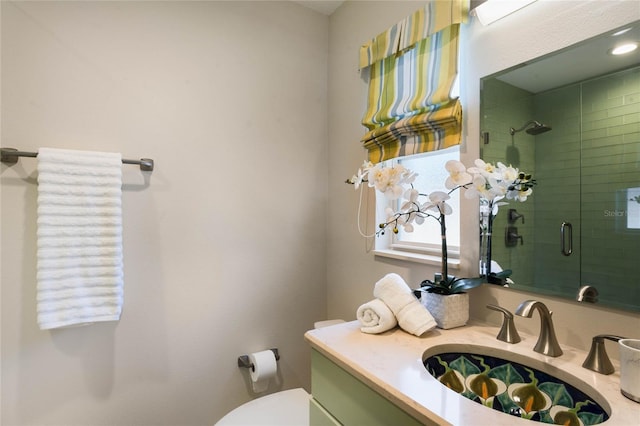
{"x":387,"y":245}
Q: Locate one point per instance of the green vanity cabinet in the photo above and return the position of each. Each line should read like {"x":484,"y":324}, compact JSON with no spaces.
{"x":341,"y":399}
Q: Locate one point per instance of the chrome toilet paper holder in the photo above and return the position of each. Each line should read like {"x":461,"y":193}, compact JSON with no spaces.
{"x":243,"y":360}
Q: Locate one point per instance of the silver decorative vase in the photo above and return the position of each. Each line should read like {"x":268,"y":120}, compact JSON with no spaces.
{"x":449,"y":311}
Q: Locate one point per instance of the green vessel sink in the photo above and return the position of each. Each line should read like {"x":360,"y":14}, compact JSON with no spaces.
{"x":516,"y":385}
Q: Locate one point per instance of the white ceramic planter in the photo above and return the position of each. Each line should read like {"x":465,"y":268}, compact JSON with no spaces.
{"x":449,"y":311}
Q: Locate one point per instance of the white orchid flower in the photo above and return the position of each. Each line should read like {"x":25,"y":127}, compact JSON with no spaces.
{"x":395,"y":174}
{"x":509,"y":173}
{"x":408,"y":176}
{"x":482,"y":168}
{"x":478,"y":187}
{"x":485,"y":181}
{"x":366,"y":165}
{"x":458,"y":175}
{"x":357,"y":180}
{"x":389,"y":213}
{"x":362,"y":174}
{"x":437,"y":202}
{"x":387,"y":180}
{"x":498,"y":188}
{"x":375,"y":175}
{"x":519,"y":195}
{"x":411,"y":195}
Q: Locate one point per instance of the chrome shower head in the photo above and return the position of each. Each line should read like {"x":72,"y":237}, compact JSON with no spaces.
{"x":538,"y":128}
{"x":533,"y":128}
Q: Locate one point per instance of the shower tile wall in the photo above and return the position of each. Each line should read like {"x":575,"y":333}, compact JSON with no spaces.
{"x":506,"y":106}
{"x":610,"y":167}
{"x":586,"y":165}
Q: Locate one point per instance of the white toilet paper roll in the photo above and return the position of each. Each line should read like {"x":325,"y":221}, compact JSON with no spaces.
{"x":264,"y":369}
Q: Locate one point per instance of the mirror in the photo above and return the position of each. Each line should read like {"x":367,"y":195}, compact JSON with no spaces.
{"x":572,"y":119}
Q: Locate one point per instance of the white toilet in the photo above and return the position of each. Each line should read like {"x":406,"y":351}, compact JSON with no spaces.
{"x":285,"y":408}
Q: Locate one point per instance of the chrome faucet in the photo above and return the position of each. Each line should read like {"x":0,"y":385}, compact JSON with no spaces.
{"x":508,"y":332}
{"x":547,"y":343}
{"x":598,"y":360}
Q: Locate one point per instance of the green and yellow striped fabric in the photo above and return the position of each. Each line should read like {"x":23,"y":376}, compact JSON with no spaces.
{"x":428,"y":20}
{"x":430,"y":131}
{"x":409,"y":107}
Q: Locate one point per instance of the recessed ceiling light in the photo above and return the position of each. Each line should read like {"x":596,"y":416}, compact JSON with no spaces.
{"x":617,"y":33}
{"x":624,"y":48}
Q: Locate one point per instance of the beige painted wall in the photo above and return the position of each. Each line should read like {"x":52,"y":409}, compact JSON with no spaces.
{"x":224,"y":243}
{"x":210,"y":275}
{"x":541,"y":28}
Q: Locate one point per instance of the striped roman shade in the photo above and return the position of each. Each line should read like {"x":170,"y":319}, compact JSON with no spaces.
{"x":412,"y":68}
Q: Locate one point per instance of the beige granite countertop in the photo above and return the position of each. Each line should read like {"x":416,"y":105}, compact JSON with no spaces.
{"x":391,"y":364}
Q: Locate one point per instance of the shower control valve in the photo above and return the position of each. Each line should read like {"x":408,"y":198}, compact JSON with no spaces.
{"x":511,"y":237}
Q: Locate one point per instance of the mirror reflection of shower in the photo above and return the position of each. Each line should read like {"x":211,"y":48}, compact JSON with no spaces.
{"x":532,"y":127}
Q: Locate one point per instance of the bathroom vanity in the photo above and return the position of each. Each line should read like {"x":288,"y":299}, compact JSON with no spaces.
{"x":360,"y":378}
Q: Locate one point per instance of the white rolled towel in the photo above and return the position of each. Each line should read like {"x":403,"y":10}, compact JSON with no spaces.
{"x":412,"y":316}
{"x":375,"y":317}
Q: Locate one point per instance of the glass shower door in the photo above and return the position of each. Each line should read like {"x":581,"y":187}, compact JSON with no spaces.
{"x":558,"y":196}
{"x":610,"y":190}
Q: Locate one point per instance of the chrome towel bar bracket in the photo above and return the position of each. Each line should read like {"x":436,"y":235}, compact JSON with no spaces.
{"x":10,"y":157}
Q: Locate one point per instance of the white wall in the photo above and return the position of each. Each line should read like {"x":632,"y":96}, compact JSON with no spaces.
{"x":224,"y":242}
{"x":540,"y":28}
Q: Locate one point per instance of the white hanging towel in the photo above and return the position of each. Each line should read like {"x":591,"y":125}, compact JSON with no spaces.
{"x":80,"y":278}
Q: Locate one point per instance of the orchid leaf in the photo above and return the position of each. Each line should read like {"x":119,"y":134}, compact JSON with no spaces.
{"x":450,"y":286}
{"x":465,"y":284}
{"x":504,"y":274}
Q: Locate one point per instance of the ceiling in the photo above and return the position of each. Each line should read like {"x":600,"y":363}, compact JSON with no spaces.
{"x":576,"y":63}
{"x":325,"y":7}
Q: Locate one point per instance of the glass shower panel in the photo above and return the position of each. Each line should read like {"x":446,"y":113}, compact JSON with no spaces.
{"x":610,"y":191}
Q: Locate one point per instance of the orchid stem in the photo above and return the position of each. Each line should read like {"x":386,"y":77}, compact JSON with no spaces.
{"x":443,"y":233}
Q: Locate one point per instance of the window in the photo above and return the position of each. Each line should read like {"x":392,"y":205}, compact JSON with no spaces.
{"x":424,"y":243}
{"x":414,"y":117}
